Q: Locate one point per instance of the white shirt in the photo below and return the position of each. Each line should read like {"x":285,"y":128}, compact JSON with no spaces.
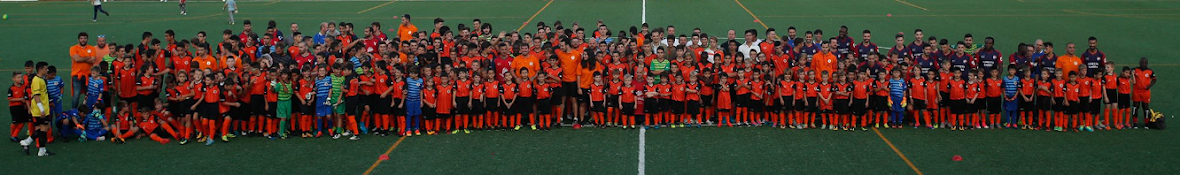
{"x":96,"y":2}
{"x":745,"y":49}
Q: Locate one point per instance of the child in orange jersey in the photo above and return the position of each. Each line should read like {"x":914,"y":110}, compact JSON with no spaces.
{"x":679,"y":101}
{"x":880,"y":101}
{"x":786,"y":101}
{"x":429,"y":104}
{"x":1059,"y":104}
{"x":757,"y":109}
{"x":598,"y":92}
{"x":1027,"y":97}
{"x":919,"y":99}
{"x":1125,"y":88}
{"x":1044,"y":102}
{"x":812,"y":101}
{"x":724,"y":101}
{"x":692,"y":106}
{"x":544,"y":105}
{"x":957,"y":92}
{"x":993,"y":92}
{"x":508,"y":108}
{"x":974,"y":99}
{"x":842,"y":102}
{"x":1110,"y":83}
{"x":825,"y":102}
{"x":663,"y":108}
{"x":525,"y":99}
{"x":1083,"y":118}
{"x":860,"y":98}
{"x":1072,"y":103}
{"x":614,"y":90}
{"x":934,"y":99}
{"x":445,"y":105}
{"x":492,"y":103}
{"x":627,"y":100}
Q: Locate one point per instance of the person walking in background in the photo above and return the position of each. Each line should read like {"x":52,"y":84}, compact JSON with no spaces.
{"x":97,"y":8}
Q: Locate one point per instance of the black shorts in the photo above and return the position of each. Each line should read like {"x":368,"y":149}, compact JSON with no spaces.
{"x":40,"y":120}
{"x":239,"y":113}
{"x":676,"y":106}
{"x":692,"y":107}
{"x":879,"y":103}
{"x":307,"y":108}
{"x":800,"y":106}
{"x":1072,"y":108}
{"x":598,"y":106}
{"x":664,"y":105}
{"x":629,"y":109}
{"x":742,"y":101}
{"x":1044,"y":103}
{"x":1124,"y":100}
{"x":558,"y":94}
{"x":523,"y":105}
{"x":918,"y":104}
{"x":584,"y":98}
{"x":144,"y":101}
{"x":351,"y":104}
{"x":612,"y":101}
{"x":707,"y":101}
{"x":461,"y":107}
{"x":841,"y":106}
{"x":1111,"y":93}
{"x":477,"y":107}
{"x":959,"y":106}
{"x":571,"y":88}
{"x":787,"y":105}
{"x":946,"y":102}
{"x":858,"y":106}
{"x":1026,"y":105}
{"x":20,"y":114}
{"x":273,"y":106}
{"x":994,"y":105}
{"x":381,"y":105}
{"x":755,"y":105}
{"x":651,"y":106}
{"x":492,"y":105}
{"x":255,"y":102}
{"x":544,"y":106}
{"x":1059,"y":104}
{"x":208,"y":110}
{"x":395,"y":107}
{"x":176,"y":107}
{"x":1095,"y":106}
{"x":812,"y":104}
{"x":428,"y":113}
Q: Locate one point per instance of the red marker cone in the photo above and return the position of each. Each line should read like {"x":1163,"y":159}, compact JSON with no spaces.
{"x":889,"y":15}
{"x":757,"y":20}
{"x":957,"y":158}
{"x":383,"y":157}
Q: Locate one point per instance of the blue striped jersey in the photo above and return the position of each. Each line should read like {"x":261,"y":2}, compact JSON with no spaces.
{"x":413,"y":90}
{"x":897,"y":88}
{"x":53,"y":86}
{"x":94,"y":88}
{"x":1011,"y":85}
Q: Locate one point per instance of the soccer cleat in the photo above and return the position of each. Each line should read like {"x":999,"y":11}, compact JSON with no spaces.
{"x":335,"y":136}
{"x":534,"y":127}
{"x":681,"y":125}
{"x":417,"y":133}
{"x":455,"y":132}
{"x":230,"y":136}
{"x":208,"y":141}
{"x":119,"y":140}
{"x":354,"y":138}
{"x":183,"y":141}
{"x":516,"y":128}
{"x":45,"y":153}
{"x":201,"y":139}
{"x":199,"y":135}
{"x":465,"y":131}
{"x":14,"y":139}
{"x":225,"y":138}
{"x":346,"y":133}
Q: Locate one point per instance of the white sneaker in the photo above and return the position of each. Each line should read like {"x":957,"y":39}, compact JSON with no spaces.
{"x":101,"y":138}
{"x":346,"y":133}
{"x":26,"y":142}
{"x":354,"y":138}
{"x":336,"y":136}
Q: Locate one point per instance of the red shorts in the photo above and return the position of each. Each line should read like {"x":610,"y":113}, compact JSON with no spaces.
{"x":1141,"y":96}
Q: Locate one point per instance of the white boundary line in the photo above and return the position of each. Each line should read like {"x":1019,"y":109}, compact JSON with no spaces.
{"x":644,"y":18}
{"x":642,"y":151}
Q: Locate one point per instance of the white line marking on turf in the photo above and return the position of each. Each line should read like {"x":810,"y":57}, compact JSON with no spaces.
{"x":642,"y":150}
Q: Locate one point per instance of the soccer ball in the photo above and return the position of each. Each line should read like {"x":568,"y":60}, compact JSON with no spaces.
{"x":5,"y":16}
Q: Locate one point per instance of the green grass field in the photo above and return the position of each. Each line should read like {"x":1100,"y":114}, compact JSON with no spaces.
{"x":1128,"y":29}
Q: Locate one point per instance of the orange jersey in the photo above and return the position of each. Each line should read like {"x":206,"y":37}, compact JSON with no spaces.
{"x":724,"y":101}
{"x":398,"y":89}
{"x":1083,"y":88}
{"x":786,"y":88}
{"x":509,"y":91}
{"x":597,"y":92}
{"x":463,"y":88}
{"x":825,"y":90}
{"x":995,"y":87}
{"x":678,"y":92}
{"x":744,"y":89}
{"x":369,"y":88}
{"x":491,"y":90}
{"x":127,"y":81}
{"x":1072,"y":94}
{"x":844,"y":88}
{"x":615,"y":88}
{"x":1124,"y":86}
{"x":975,"y":91}
{"x":918,"y":89}
{"x":1143,"y":77}
{"x":812,"y":89}
{"x":1096,"y":89}
{"x":692,"y":96}
{"x":543,"y":91}
{"x":445,"y":99}
{"x":570,"y":61}
{"x":525,"y":89}
{"x":429,"y":95}
{"x":881,"y":88}
{"x":860,"y":89}
{"x":757,"y":87}
{"x":145,"y":81}
{"x":665,"y":91}
{"x":1028,"y":86}
{"x":1059,"y":88}
{"x":946,"y":79}
{"x":627,"y":96}
{"x":957,"y":89}
{"x":1046,"y":85}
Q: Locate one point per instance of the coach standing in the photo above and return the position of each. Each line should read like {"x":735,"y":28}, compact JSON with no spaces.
{"x":83,"y":57}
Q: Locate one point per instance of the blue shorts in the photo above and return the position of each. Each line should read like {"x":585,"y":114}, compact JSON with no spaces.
{"x":56,"y":109}
{"x":413,"y":108}
{"x":1010,"y":105}
{"x":323,"y":110}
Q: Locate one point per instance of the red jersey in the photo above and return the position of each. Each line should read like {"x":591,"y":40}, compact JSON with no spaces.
{"x":1048,"y":88}
{"x":127,"y":81}
{"x":445,"y":97}
{"x":665,"y":91}
{"x":1095,"y":89}
{"x":370,"y":87}
{"x":881,"y":87}
{"x":509,"y":91}
{"x":974,"y":90}
{"x":1111,"y":81}
{"x":845,"y":89}
{"x":812,"y":89}
{"x":1027,"y":86}
{"x":825,"y":90}
{"x":491,"y":90}
{"x":543,"y":91}
{"x":1124,"y":86}
{"x":16,"y":92}
{"x":526,"y":89}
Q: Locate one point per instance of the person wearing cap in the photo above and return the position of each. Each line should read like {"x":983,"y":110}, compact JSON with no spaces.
{"x":406,"y":30}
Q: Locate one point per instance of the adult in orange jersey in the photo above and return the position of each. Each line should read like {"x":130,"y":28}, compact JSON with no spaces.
{"x":824,"y":61}
{"x":1069,"y":62}
{"x":406,"y":30}
{"x":83,"y":57}
{"x":1144,"y":79}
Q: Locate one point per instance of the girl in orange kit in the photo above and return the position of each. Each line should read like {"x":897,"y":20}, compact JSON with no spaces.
{"x":974,"y":89}
{"x":397,"y":93}
{"x":430,"y":105}
{"x":543,"y":103}
{"x":1059,"y":89}
{"x":1044,"y":102}
{"x":757,"y":93}
{"x":1110,"y":83}
{"x":880,"y":100}
{"x":933,"y":100}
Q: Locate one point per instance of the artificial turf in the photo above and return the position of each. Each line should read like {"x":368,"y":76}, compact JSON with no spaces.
{"x":1127,"y":29}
